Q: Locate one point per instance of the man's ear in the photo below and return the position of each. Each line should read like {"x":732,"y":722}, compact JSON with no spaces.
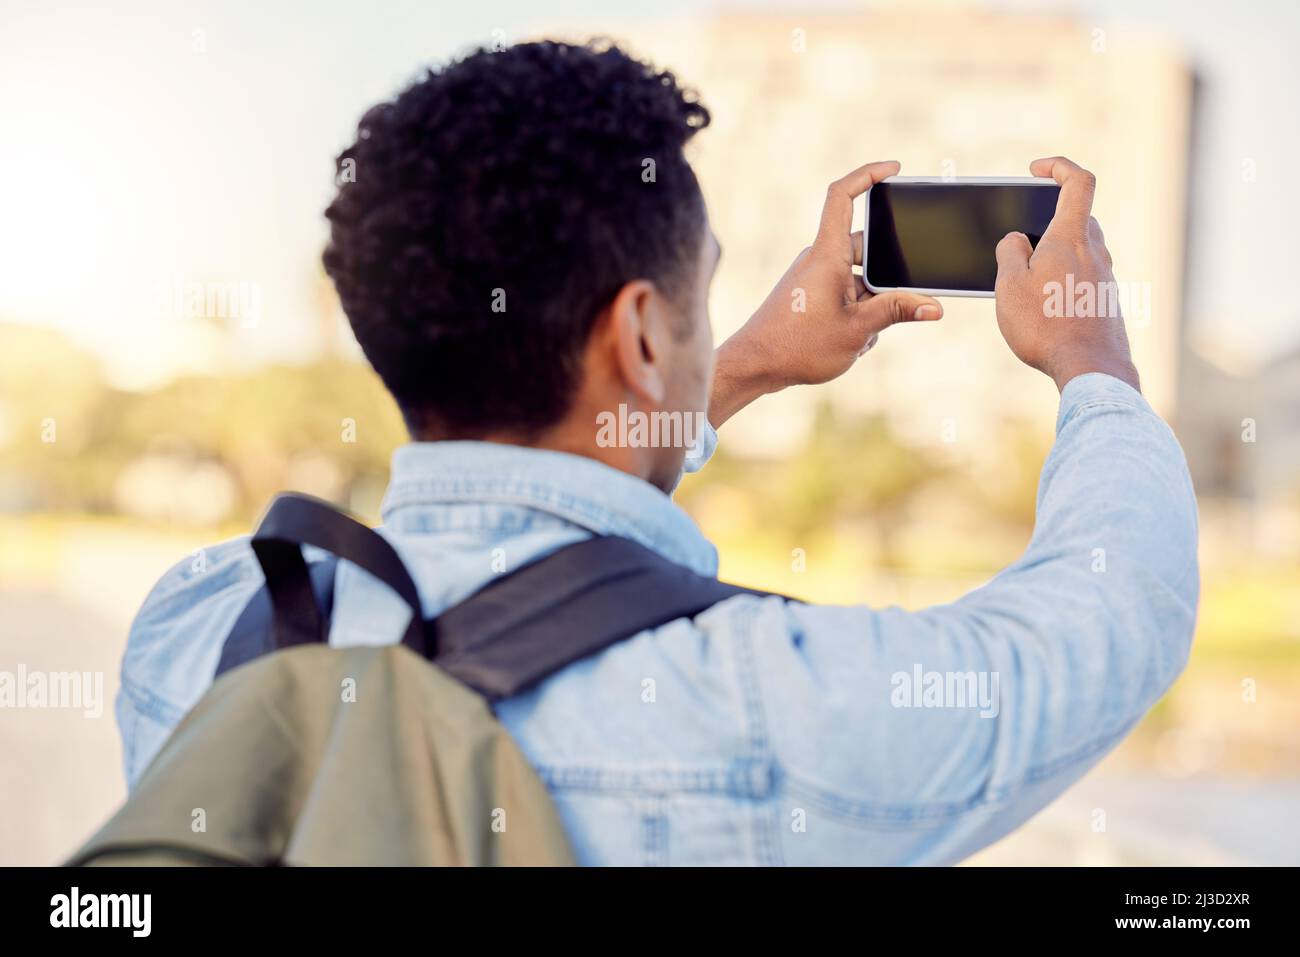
{"x":638,"y":333}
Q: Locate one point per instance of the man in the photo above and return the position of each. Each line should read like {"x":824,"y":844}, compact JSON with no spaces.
{"x":523,"y":249}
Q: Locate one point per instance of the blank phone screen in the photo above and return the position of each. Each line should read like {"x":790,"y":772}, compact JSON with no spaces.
{"x":943,"y":235}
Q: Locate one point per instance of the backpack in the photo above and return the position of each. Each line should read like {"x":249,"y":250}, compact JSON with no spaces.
{"x":301,"y":753}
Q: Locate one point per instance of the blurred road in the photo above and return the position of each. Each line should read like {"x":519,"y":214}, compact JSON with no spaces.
{"x":62,"y":770}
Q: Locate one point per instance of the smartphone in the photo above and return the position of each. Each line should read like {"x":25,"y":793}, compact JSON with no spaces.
{"x":937,"y":236}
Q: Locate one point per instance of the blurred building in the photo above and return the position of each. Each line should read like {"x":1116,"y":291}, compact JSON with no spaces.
{"x":1239,"y":421}
{"x":800,"y":99}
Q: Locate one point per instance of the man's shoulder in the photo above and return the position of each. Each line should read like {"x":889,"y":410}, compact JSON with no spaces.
{"x":205,"y":570}
{"x":185,"y":616}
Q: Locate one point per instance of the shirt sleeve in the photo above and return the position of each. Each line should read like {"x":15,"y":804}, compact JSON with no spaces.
{"x":175,"y":642}
{"x":700,"y":452}
{"x":957,"y":723}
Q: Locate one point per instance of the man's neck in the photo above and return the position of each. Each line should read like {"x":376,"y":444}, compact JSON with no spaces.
{"x":575,"y":435}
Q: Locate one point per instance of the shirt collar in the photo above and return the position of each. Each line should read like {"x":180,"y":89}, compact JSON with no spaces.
{"x":580,"y":490}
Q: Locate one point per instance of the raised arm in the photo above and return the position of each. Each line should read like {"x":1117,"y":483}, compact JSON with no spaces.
{"x":934,"y":733}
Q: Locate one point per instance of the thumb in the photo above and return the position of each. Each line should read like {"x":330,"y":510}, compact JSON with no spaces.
{"x":888,"y":308}
{"x":1013,"y":253}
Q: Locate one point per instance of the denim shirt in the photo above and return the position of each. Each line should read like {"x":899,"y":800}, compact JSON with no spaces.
{"x":766,"y":731}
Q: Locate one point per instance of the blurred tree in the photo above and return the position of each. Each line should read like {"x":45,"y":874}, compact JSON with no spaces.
{"x":852,"y":471}
{"x":51,"y":392}
{"x":855,"y":470}
{"x":1011,"y":492}
{"x":264,"y":427}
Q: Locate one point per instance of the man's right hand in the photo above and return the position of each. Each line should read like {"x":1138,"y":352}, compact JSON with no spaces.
{"x":1062,"y":346}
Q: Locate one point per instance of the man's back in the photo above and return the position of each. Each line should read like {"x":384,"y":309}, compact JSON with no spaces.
{"x":767,"y":732}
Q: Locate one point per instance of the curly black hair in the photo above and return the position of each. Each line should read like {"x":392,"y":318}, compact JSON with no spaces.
{"x":487,"y":214}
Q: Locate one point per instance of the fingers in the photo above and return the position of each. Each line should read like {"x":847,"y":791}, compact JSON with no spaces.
{"x":857,"y":247}
{"x":837,"y":213}
{"x":1013,"y":252}
{"x":1074,"y":205}
{"x":888,"y":308}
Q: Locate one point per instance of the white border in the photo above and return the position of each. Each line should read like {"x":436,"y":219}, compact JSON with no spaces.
{"x":943,"y":181}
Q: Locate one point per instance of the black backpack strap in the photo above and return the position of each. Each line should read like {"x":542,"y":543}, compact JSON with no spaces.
{"x":295,"y":605}
{"x":503,"y":639}
{"x":564,"y":607}
{"x":254,"y":632}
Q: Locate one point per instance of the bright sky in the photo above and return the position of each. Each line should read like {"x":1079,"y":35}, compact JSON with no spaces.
{"x":192,"y":142}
